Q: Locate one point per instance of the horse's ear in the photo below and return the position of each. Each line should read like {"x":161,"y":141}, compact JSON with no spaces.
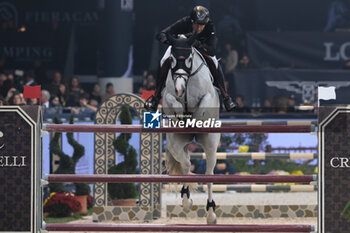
{"x":171,"y":39}
{"x":191,"y":40}
{"x":193,"y":51}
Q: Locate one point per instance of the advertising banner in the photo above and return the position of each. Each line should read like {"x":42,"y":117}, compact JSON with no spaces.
{"x":334,"y":165}
{"x":309,"y":50}
{"x":20,"y":170}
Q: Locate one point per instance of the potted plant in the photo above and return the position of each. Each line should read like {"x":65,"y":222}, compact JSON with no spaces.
{"x":82,"y":191}
{"x":124,"y":194}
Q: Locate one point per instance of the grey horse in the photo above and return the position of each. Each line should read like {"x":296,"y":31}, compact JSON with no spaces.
{"x":190,"y":92}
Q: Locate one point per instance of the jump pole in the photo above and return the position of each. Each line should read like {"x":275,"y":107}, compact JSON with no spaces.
{"x":255,"y":155}
{"x":180,"y":227}
{"x":180,"y":178}
{"x":106,"y":128}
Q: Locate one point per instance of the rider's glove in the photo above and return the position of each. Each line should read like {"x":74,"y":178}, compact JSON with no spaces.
{"x":197,"y":44}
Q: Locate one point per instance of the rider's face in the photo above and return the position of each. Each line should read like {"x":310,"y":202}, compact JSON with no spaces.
{"x":198,"y":27}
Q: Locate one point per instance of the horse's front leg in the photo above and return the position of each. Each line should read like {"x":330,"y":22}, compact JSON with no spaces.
{"x":185,"y":191}
{"x":211,"y":216}
{"x":178,"y":162}
{"x":187,"y":202}
{"x":209,"y":143}
{"x":173,"y":104}
{"x":205,"y":108}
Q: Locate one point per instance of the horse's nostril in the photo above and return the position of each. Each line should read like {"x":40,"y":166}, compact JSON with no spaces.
{"x":178,"y":92}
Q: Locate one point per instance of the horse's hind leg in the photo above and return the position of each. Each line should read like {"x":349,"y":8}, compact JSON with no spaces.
{"x":178,"y":162}
{"x":209,"y":143}
{"x":211,"y":162}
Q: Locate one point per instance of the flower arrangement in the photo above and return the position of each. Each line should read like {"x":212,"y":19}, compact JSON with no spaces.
{"x":89,"y":201}
{"x":61,"y":204}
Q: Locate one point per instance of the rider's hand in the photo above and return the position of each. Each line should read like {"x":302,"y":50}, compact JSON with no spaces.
{"x":197,"y":44}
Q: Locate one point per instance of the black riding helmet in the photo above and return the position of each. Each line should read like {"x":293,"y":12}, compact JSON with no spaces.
{"x":200,"y":15}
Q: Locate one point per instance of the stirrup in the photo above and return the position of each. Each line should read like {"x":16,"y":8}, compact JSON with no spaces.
{"x":229,"y":104}
{"x":151,"y":104}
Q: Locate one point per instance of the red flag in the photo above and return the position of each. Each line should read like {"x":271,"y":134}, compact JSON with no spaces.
{"x":32,"y":92}
{"x":146,"y":94}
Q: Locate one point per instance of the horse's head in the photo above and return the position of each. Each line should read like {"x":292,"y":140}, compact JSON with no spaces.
{"x":181,"y":61}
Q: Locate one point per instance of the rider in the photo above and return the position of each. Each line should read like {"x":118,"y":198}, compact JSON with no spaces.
{"x":199,"y":23}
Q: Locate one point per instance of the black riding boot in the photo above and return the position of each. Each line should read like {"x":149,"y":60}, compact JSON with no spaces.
{"x":219,"y":81}
{"x":151,"y":103}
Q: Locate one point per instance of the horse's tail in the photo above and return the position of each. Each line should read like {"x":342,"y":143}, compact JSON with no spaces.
{"x":173,"y":167}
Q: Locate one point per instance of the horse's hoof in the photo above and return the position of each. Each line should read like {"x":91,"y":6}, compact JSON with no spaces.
{"x":187,"y":203}
{"x":211,"y":217}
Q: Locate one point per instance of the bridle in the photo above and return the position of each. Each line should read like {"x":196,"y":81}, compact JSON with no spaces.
{"x":186,"y":76}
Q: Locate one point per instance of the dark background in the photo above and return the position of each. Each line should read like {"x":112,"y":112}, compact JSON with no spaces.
{"x":115,"y":38}
{"x":148,"y":17}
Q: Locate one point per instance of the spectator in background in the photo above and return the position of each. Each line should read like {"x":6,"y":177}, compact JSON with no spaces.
{"x":34,"y":101}
{"x":16,"y":99}
{"x":109,"y":91}
{"x":240,"y":104}
{"x":2,"y":101}
{"x":94,"y":103}
{"x":291,"y":103}
{"x":30,"y":79}
{"x":84,"y":102}
{"x":75,"y":91}
{"x":54,"y":86}
{"x":55,"y":101}
{"x":84,"y":105}
{"x":245,"y":63}
{"x":150,"y":82}
{"x":280,"y":104}
{"x":45,"y":100}
{"x":224,"y":167}
{"x":267,"y":105}
{"x":10,"y":94}
{"x":96,"y":93}
{"x":63,"y":94}
{"x":230,"y":60}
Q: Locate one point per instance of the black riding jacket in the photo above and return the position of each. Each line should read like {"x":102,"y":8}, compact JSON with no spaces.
{"x":207,"y":37}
